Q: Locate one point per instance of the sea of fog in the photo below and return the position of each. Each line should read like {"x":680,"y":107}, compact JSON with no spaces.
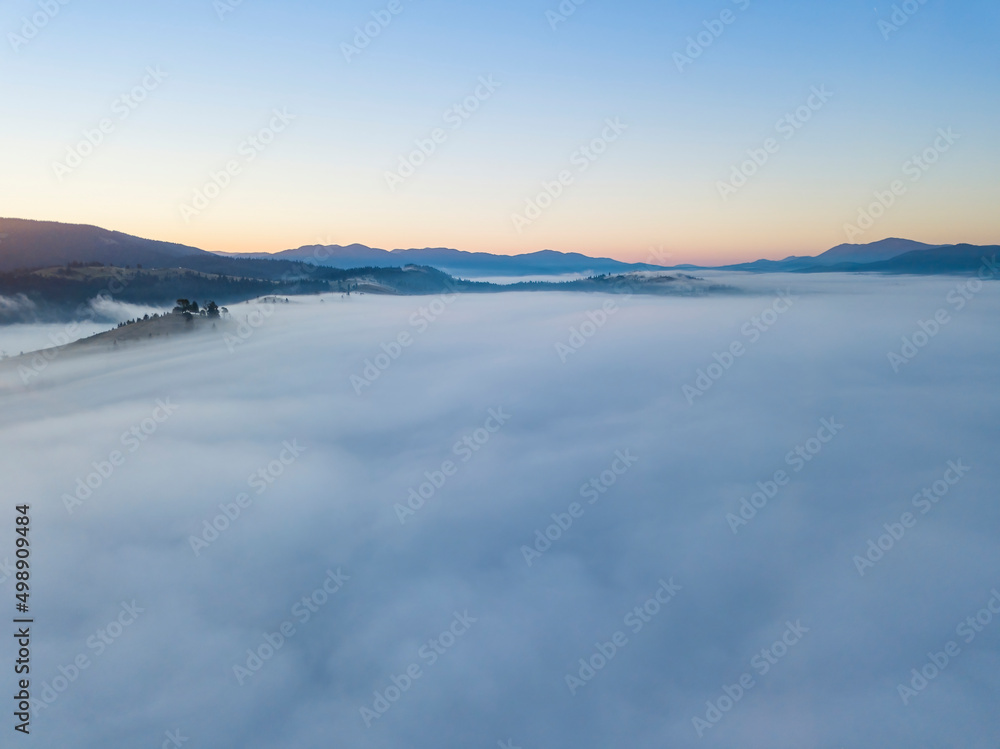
{"x":103,"y":314}
{"x":25,"y":338}
{"x":530,"y":520}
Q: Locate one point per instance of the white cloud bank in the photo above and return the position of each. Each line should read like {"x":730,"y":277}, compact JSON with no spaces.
{"x":438,"y":625}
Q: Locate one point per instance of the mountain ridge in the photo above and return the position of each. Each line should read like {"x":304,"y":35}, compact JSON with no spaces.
{"x":456,"y":262}
{"x":27,"y":244}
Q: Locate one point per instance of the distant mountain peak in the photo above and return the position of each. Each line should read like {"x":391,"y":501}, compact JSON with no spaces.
{"x":883,"y":249}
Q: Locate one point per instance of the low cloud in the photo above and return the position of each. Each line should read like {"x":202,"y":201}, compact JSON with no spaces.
{"x":779,"y":603}
{"x":106,"y":308}
{"x":17,"y":308}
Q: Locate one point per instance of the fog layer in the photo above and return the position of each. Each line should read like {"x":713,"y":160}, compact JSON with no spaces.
{"x":545,"y":520}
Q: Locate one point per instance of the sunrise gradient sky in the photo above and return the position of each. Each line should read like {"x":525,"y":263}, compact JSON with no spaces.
{"x":322,"y":179}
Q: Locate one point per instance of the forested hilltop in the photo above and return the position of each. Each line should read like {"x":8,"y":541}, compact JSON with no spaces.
{"x":69,"y":292}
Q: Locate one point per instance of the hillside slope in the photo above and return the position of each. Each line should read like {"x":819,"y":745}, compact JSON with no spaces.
{"x":28,"y":244}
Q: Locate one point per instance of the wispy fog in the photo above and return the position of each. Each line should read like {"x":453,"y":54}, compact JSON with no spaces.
{"x":102,"y":313}
{"x":24,"y":338}
{"x":105,"y":308}
{"x":524,"y":518}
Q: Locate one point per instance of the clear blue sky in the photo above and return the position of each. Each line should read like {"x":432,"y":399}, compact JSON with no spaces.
{"x":657,"y":184}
